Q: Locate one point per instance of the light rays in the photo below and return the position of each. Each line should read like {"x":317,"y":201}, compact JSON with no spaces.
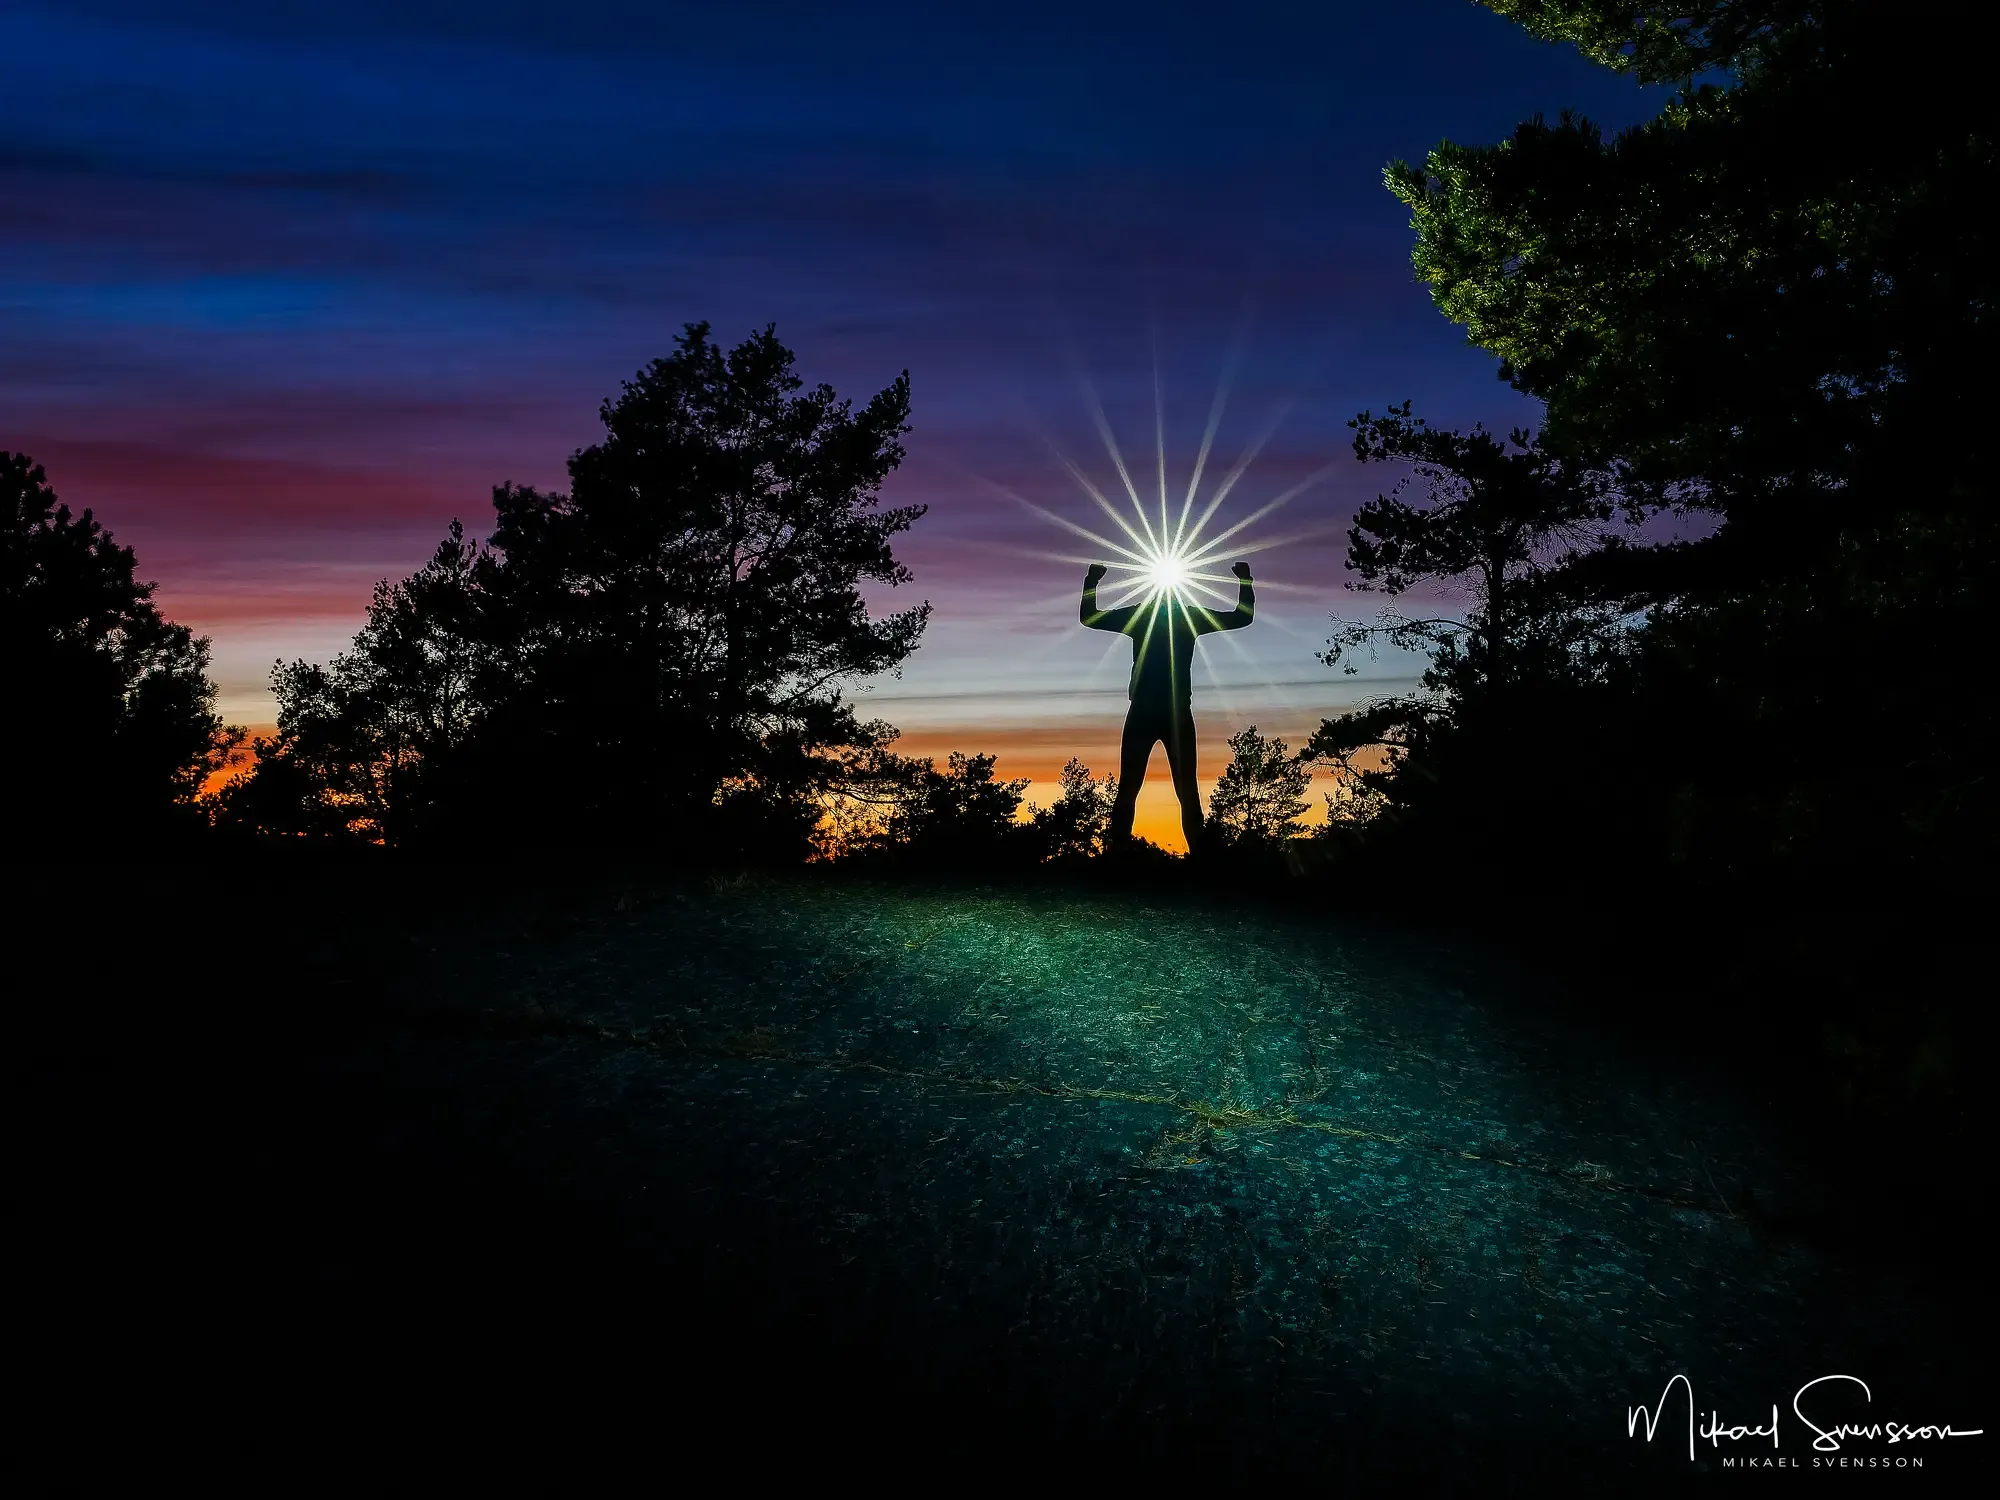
{"x":1110,"y":441}
{"x":1215,"y":410}
{"x":1151,"y":553}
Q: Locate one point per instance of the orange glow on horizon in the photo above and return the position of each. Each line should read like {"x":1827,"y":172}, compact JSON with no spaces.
{"x":239,"y":759}
{"x":1034,"y":751}
{"x":1039,"y":751}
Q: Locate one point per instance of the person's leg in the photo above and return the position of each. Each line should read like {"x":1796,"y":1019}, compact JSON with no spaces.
{"x":1141,"y":729}
{"x":1180,"y":760}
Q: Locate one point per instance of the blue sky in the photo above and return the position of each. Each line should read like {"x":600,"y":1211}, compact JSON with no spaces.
{"x":285,"y":287}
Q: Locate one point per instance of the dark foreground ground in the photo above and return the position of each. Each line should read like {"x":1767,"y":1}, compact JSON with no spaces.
{"x":891,"y":1180}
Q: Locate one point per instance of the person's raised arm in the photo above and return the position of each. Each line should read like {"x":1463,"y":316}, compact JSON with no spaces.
{"x":1246,"y":605}
{"x":1087,"y":611}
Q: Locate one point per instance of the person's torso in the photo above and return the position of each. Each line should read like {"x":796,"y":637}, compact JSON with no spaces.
{"x":1162,"y":655}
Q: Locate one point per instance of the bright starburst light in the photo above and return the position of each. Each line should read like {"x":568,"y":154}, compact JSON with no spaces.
{"x":1166,"y":574}
{"x":1162,"y":549}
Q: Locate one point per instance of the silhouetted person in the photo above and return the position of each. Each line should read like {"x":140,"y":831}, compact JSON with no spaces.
{"x":1163,"y":631}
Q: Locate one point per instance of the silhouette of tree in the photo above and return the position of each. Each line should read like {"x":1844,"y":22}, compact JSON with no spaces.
{"x":1767,"y":311}
{"x":904,"y":810}
{"x":363,"y":741}
{"x":1261,"y":796}
{"x":1075,"y":826}
{"x":677,"y":628}
{"x":117,"y":725}
{"x":1502,"y":526}
{"x":1661,"y":43}
{"x":1488,"y":516}
{"x":655,"y":659}
{"x":1767,"y":301}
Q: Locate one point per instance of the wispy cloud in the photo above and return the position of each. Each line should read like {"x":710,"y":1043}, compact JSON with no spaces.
{"x":283,"y":289}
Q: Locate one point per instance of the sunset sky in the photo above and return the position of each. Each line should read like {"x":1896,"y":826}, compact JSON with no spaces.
{"x":286,"y":287}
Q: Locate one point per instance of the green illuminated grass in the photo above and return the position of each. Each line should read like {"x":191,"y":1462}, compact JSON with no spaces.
{"x":1175,"y":1156}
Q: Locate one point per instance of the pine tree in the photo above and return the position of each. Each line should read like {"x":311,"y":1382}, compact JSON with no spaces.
{"x":1261,"y":798}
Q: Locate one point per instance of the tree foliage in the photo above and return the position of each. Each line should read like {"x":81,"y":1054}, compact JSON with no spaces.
{"x":117,"y":726}
{"x":904,"y":810}
{"x":655,"y":657}
{"x":1490,"y":532}
{"x":1767,"y":313}
{"x":1662,"y":43}
{"x":364,"y":741}
{"x":1488,"y":516}
{"x":1260,"y":799}
{"x":1770,"y":302}
{"x":684,"y":617}
{"x":1075,"y":825}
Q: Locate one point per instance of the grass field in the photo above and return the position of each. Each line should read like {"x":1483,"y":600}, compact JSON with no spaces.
{"x":1115,"y":1172}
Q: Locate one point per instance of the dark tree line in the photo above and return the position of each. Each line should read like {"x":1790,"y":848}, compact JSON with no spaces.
{"x":1767,"y":312}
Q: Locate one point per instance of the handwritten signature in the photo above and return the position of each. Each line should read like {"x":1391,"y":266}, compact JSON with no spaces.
{"x":1825,"y":1439}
